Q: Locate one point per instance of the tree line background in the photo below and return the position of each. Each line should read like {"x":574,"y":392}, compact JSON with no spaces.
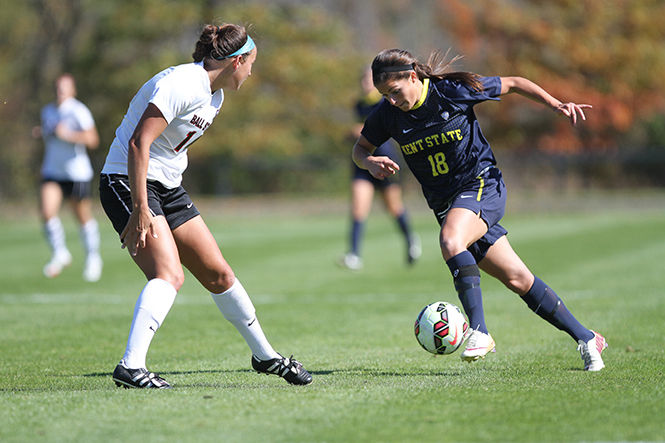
{"x":287,"y":129}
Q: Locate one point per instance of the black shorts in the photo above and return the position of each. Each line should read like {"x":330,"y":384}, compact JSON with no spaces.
{"x":486,"y":195}
{"x":174,"y":204}
{"x":70,"y":189}
{"x":363,"y":174}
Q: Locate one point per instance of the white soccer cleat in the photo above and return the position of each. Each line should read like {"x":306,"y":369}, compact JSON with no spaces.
{"x":351,"y":261}
{"x":478,"y":346}
{"x":93,"y":268}
{"x":415,"y":250}
{"x":590,"y":352}
{"x":58,"y":262}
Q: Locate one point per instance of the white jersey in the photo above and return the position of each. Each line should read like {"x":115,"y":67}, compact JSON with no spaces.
{"x":183,"y":95}
{"x":63,"y":160}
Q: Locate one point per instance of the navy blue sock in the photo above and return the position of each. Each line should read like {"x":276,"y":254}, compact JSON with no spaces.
{"x":357,"y":228}
{"x":542,"y":300}
{"x":466,"y":276}
{"x":403,"y":223}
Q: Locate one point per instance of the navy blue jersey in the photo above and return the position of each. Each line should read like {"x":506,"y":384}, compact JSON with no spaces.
{"x":441,"y":140}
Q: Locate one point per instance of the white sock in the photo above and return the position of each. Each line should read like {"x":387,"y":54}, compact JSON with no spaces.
{"x":89,"y":233}
{"x":55,"y":235}
{"x":150,"y":311}
{"x":236,"y":307}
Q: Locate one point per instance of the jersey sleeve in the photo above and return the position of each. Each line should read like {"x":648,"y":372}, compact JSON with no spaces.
{"x":375,"y":128}
{"x":462,"y":93}
{"x":491,"y":86}
{"x":170,"y":97}
{"x":84,"y":118}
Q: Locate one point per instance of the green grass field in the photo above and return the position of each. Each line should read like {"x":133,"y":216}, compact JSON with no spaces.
{"x":60,"y":339}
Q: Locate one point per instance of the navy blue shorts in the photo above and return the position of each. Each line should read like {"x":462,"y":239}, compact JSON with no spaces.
{"x":70,"y":189}
{"x":387,"y":149}
{"x":174,"y":204}
{"x":485,"y":195}
{"x":363,"y":174}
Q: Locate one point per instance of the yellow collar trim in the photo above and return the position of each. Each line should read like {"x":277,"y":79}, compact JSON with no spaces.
{"x":423,"y":95}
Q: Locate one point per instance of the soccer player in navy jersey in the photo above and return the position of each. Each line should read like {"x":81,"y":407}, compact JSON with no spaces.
{"x":429,"y":112}
{"x":363,"y":185}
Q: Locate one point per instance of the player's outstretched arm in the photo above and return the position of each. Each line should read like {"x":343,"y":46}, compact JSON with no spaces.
{"x":531,"y":90}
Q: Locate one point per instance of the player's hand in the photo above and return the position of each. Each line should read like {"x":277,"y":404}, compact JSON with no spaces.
{"x":139,"y":225}
{"x":381,"y":167}
{"x":63,"y":132}
{"x":572,"y":110}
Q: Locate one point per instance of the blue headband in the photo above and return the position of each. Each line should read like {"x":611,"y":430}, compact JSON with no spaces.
{"x":247,"y":47}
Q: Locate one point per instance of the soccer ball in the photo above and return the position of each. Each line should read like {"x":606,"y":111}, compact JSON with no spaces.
{"x":440,"y":328}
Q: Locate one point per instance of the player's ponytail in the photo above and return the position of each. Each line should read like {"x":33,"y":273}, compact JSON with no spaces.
{"x":219,"y":42}
{"x":395,"y":64}
{"x":438,"y":65}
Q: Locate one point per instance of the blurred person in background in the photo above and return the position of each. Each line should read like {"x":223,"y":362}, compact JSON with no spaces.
{"x":141,"y":192}
{"x":68,"y":130}
{"x":363,"y":185}
{"x":429,"y":112}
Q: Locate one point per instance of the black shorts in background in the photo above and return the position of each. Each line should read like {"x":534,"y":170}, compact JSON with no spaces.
{"x":388,"y":149}
{"x":70,"y":189}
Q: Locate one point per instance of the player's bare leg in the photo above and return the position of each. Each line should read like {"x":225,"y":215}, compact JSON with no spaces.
{"x":160,"y":263}
{"x":392,"y":198}
{"x":201,"y":255}
{"x":89,"y":233}
{"x":50,"y":201}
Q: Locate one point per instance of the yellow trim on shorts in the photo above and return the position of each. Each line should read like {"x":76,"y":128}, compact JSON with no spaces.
{"x":480,"y":191}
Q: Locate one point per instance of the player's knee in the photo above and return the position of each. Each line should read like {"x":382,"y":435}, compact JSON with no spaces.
{"x":394,"y":208}
{"x":518,"y":281}
{"x":450,"y":246}
{"x":172,"y":274}
{"x":175,"y":277}
{"x":220,"y":281}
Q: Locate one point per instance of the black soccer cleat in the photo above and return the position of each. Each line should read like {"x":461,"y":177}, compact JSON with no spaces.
{"x":138,"y":378}
{"x":289,"y":369}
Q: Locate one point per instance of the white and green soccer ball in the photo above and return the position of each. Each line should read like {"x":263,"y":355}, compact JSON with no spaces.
{"x":440,"y":328}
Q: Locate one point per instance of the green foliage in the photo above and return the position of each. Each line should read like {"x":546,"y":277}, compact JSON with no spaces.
{"x":292,"y":115}
{"x":60,"y":339}
{"x":285,"y":129}
{"x":294,"y":109}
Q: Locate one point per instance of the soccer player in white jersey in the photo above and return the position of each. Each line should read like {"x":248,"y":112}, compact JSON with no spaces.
{"x":141,"y":192}
{"x":68,"y":130}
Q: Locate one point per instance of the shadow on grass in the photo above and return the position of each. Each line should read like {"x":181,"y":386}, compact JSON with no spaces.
{"x":358,"y":371}
{"x":192,"y":372}
{"x":383,"y":373}
{"x":321,"y":372}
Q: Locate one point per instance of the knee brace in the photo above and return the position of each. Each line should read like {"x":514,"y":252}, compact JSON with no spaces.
{"x":542,"y":300}
{"x":466,"y":277}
